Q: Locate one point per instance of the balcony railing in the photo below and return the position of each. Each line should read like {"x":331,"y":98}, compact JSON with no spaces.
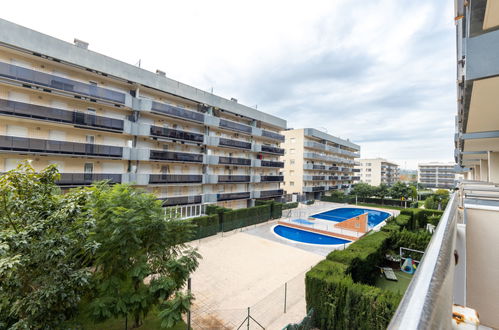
{"x":334,"y":177}
{"x":271,"y":193}
{"x":21,"y":144}
{"x":178,"y":112}
{"x":176,"y":134}
{"x":427,"y":303}
{"x":233,"y":196}
{"x":273,"y":135}
{"x":356,"y":170}
{"x":182,"y":200}
{"x":272,"y":150}
{"x":48,"y":80}
{"x":175,"y":178}
{"x":270,"y":163}
{"x":233,"y":178}
{"x":234,"y":143}
{"x":356,"y":178}
{"x":232,"y":125}
{"x":27,"y":110}
{"x":234,"y":161}
{"x":84,"y":179}
{"x":271,"y":178}
{"x":334,"y":168}
{"x":175,"y":156}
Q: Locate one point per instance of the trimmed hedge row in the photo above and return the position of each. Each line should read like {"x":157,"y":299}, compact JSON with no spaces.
{"x":362,"y":257}
{"x":205,"y":226}
{"x":420,"y":217}
{"x":368,"y":200}
{"x":239,"y":218}
{"x":341,"y":303}
{"x":416,"y":240}
{"x":288,"y":206}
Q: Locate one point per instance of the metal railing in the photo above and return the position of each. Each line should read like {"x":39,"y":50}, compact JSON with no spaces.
{"x":270,"y":163}
{"x":235,"y":126}
{"x":234,"y":161}
{"x":233,"y":178}
{"x":175,"y":178}
{"x":176,"y":134}
{"x":49,"y":80}
{"x":273,"y":135}
{"x":427,"y":303}
{"x":175,"y":156}
{"x":234,"y":143}
{"x":178,"y":112}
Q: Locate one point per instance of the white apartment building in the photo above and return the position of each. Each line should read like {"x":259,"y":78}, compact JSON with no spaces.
{"x":376,"y":171}
{"x":98,"y":118}
{"x":316,"y":162}
{"x":437,"y":175}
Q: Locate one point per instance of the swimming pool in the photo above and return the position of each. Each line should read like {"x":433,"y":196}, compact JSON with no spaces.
{"x":303,"y":222}
{"x":343,"y":213}
{"x":303,"y":236}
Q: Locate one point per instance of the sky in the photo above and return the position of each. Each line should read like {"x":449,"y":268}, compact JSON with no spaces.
{"x":379,"y":73}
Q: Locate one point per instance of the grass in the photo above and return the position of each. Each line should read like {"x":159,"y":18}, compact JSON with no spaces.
{"x":151,"y":322}
{"x":395,"y":286}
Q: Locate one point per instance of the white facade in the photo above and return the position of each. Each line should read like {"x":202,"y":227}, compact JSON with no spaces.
{"x":376,"y":171}
{"x":437,"y":175}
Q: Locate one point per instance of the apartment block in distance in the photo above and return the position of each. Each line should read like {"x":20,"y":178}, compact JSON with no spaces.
{"x":437,"y":175}
{"x":460,"y":267}
{"x":101,"y":119}
{"x":376,"y":171}
{"x":316,"y":162}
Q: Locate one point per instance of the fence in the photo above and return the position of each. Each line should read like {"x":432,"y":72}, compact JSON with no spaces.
{"x":260,"y":315}
{"x":186,"y":211}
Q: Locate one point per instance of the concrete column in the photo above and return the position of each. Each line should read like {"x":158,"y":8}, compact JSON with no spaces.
{"x":494,"y":167}
{"x":484,"y":169}
{"x":477,"y":172}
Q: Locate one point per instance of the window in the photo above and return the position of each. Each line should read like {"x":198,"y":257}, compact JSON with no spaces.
{"x":291,"y":183}
{"x":292,"y":161}
{"x":291,"y":172}
{"x":292,"y":140}
{"x":368,"y":164}
{"x":90,"y":139}
{"x":292,"y":151}
{"x":88,"y":168}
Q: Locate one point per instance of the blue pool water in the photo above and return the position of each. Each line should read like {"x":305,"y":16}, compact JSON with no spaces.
{"x":374,"y":217}
{"x":303,"y":222}
{"x":306,"y":236}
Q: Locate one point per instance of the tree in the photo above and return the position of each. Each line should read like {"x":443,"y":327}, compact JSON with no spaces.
{"x":141,"y":261}
{"x":43,"y":274}
{"x":381,"y":191}
{"x":363,"y":190}
{"x":400,"y":190}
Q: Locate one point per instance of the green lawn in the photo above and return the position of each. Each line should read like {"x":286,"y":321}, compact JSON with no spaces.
{"x":396,"y":286}
{"x":151,"y":322}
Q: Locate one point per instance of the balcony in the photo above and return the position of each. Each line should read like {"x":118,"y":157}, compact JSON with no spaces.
{"x":233,"y":196}
{"x":270,"y":163}
{"x":181,"y":200}
{"x":22,"y":145}
{"x":175,"y":178}
{"x":233,"y":178}
{"x":345,"y":186}
{"x":355,"y":178}
{"x":272,"y":150}
{"x":85,"y":179}
{"x":176,"y":134}
{"x":234,"y":161}
{"x":314,"y":145}
{"x":175,"y":156}
{"x":177,"y":112}
{"x":271,"y":178}
{"x":314,"y":189}
{"x":48,"y":80}
{"x":334,"y":177}
{"x":314,"y":177}
{"x":273,"y":135}
{"x":271,"y":193}
{"x":234,"y":143}
{"x":345,"y":178}
{"x":314,"y":167}
{"x":26,"y":110}
{"x":356,"y":170}
{"x":232,"y":125}
{"x":334,"y":168}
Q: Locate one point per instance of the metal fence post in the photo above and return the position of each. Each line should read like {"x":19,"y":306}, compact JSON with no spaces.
{"x":189,"y":312}
{"x":285,"y":295}
{"x":247,"y":324}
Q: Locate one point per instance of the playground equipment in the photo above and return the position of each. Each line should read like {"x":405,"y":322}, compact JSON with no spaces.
{"x":408,"y":264}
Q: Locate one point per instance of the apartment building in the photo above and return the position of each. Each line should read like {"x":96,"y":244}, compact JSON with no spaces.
{"x":101,"y":119}
{"x":459,"y":266}
{"x":437,"y":175}
{"x":376,"y":171}
{"x":316,"y":162}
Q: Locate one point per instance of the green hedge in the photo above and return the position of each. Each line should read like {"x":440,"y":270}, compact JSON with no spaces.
{"x":205,"y":226}
{"x":340,"y":303}
{"x":288,"y":206}
{"x":416,"y":240}
{"x":275,"y":207}
{"x":239,"y":218}
{"x":363,"y":256}
{"x":420,"y":217}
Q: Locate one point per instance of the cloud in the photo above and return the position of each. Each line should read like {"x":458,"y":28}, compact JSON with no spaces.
{"x":381,"y":73}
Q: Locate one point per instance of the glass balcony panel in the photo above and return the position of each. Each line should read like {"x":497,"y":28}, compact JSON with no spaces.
{"x":273,"y":135}
{"x":177,"y":112}
{"x":271,"y":149}
{"x":235,"y":126}
{"x":175,"y":178}
{"x":269,"y":163}
{"x":235,"y":143}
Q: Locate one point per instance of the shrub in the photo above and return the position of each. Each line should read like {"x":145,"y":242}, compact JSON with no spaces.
{"x":419,"y":217}
{"x":362,"y":257}
{"x":340,"y":303}
{"x":416,"y":240}
{"x":310,"y":202}
{"x":205,"y":226}
{"x":288,"y":206}
{"x":235,"y":219}
{"x":392,"y":226}
{"x":403,"y":220}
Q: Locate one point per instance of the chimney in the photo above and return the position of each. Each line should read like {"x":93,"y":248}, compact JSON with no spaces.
{"x":233,"y":99}
{"x":160,"y":73}
{"x":80,"y":43}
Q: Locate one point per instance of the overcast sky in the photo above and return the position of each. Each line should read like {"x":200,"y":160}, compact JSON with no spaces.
{"x":381,"y":73}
